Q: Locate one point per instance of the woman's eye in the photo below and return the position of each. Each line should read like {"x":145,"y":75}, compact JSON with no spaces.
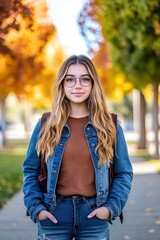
{"x":86,"y":79}
{"x":70,"y":79}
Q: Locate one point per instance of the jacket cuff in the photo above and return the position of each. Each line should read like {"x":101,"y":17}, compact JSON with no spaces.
{"x":113,"y":212}
{"x":34,"y":213}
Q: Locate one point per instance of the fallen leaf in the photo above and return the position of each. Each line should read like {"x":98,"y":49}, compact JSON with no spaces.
{"x":126,"y":237}
{"x":149,"y":195}
{"x":14,"y":225}
{"x":151,"y":230}
{"x":148,"y":210}
{"x":131,"y":202}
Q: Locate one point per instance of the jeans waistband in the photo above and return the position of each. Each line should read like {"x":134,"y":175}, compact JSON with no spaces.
{"x":75,"y":197}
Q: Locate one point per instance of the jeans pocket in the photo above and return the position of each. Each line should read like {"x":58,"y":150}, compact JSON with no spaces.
{"x":45,"y":222}
{"x":91,"y":203}
{"x":50,"y":209}
{"x":43,"y":219}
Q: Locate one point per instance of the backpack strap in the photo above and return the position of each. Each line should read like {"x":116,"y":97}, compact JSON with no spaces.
{"x":44,"y":118}
{"x":114,"y":118}
{"x":111,"y":169}
{"x":43,"y":167}
{"x":42,"y":178}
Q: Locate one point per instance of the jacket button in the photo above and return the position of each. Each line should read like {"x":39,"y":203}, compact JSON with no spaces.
{"x":93,"y":144}
{"x":88,"y":128}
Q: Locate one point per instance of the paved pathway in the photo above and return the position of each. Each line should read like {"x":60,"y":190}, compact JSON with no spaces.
{"x":14,"y":225}
{"x":142,"y":212}
{"x":141,"y":215}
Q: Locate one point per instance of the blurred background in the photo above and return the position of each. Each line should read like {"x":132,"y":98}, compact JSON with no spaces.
{"x":123,"y":40}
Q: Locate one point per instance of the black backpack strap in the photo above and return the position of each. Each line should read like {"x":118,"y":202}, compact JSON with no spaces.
{"x":111,"y":169}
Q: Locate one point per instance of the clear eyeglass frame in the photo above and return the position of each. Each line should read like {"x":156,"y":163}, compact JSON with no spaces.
{"x":70,"y":81}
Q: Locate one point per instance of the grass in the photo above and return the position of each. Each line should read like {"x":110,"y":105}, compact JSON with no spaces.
{"x":11,"y":160}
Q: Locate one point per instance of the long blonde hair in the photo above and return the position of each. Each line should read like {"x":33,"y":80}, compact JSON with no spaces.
{"x":99,"y":115}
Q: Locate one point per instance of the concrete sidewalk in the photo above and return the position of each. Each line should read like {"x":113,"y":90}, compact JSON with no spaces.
{"x":14,"y":225}
{"x":141,"y":214}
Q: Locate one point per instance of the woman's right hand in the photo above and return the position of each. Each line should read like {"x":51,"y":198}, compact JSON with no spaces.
{"x":45,"y":214}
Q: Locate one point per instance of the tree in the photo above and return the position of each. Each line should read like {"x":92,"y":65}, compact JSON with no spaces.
{"x":132,"y":29}
{"x":8,"y":21}
{"x":114,"y":81}
{"x":25,"y":33}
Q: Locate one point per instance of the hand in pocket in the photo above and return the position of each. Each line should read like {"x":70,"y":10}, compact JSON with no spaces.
{"x":43,"y":215}
{"x":102,"y":213}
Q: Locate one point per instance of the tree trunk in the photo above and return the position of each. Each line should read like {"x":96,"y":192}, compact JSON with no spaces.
{"x":3,"y":120}
{"x":142,"y":125}
{"x":156,"y":121}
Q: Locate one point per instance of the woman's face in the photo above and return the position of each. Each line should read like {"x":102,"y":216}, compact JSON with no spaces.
{"x":77,"y":83}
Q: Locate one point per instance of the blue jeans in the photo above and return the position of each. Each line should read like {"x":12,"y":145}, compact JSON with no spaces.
{"x":71,"y":214}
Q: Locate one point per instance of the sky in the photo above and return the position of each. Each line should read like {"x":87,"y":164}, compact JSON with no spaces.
{"x":64,"y":14}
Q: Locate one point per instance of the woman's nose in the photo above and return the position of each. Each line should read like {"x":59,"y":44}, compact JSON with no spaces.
{"x":78,"y":84}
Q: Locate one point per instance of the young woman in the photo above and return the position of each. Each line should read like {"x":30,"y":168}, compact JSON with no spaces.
{"x":77,"y":142}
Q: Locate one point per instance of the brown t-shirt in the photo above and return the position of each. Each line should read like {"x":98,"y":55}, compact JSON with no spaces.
{"x":76,"y":176}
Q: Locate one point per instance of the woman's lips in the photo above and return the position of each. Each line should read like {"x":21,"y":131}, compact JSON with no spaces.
{"x":77,"y":94}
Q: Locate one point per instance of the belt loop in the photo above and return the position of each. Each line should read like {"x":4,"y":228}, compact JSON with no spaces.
{"x":84,"y":199}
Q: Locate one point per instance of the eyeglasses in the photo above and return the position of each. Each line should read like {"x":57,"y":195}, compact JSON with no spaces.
{"x":70,"y":81}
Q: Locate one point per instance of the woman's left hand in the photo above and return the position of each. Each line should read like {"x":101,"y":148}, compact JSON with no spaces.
{"x":102,"y":213}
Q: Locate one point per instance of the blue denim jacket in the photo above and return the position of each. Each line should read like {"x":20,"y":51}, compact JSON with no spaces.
{"x":36,"y":201}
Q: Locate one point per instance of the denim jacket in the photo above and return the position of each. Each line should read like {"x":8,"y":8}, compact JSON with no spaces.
{"x":36,"y":201}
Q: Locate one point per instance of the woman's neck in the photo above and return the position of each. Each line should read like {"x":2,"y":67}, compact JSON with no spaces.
{"x":79,"y":110}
